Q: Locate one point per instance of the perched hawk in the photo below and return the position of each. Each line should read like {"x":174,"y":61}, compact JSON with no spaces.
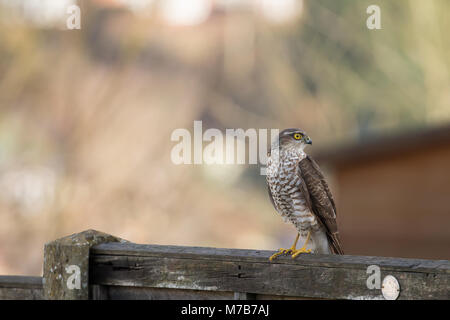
{"x":300,"y":194}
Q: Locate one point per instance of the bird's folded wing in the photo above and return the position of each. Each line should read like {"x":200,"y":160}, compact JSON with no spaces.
{"x":319,"y":199}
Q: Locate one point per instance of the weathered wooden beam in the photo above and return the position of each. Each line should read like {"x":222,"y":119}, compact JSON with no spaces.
{"x":251,"y":272}
{"x":21,"y":288}
{"x":110,"y":268}
{"x":244,"y":296}
{"x":66,"y":265}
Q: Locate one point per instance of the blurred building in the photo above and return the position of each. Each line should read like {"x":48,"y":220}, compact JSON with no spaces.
{"x":393,"y":194}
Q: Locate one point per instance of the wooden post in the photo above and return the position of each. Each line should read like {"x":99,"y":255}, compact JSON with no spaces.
{"x":66,"y":265}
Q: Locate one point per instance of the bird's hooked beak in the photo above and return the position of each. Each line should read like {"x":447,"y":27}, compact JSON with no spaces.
{"x":308,"y":140}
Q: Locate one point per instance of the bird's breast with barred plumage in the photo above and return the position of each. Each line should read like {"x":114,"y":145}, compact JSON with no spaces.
{"x":284,"y":181}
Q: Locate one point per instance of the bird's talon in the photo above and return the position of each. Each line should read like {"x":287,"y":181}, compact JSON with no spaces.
{"x":295,"y":253}
{"x":280,"y":252}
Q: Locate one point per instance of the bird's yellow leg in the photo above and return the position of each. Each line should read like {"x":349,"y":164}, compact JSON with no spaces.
{"x":285,"y":251}
{"x":302,"y":249}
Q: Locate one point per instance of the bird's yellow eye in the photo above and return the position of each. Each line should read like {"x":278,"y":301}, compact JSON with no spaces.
{"x":297,"y":136}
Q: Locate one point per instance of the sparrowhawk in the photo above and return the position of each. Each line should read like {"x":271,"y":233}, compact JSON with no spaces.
{"x":300,"y":194}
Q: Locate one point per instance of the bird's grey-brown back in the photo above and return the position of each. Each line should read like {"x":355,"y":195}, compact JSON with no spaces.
{"x":288,"y":190}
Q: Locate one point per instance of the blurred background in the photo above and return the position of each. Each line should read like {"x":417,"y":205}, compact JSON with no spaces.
{"x":86,"y":118}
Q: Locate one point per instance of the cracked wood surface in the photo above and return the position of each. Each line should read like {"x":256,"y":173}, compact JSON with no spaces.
{"x":123,"y":270}
{"x":200,"y":269}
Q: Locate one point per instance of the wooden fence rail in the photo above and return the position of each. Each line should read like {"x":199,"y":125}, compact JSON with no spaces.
{"x":21,"y":288}
{"x":98,"y":266}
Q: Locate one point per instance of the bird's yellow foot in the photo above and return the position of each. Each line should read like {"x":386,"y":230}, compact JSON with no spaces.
{"x":295,"y":253}
{"x":280,"y":252}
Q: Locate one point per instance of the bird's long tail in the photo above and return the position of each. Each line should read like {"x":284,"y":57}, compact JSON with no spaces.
{"x":335,"y":243}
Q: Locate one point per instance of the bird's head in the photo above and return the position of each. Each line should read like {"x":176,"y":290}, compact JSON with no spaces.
{"x":295,"y":139}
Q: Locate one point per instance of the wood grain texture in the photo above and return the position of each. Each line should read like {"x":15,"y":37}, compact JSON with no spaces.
{"x":21,"y":288}
{"x":149,"y":293}
{"x":250,"y":271}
